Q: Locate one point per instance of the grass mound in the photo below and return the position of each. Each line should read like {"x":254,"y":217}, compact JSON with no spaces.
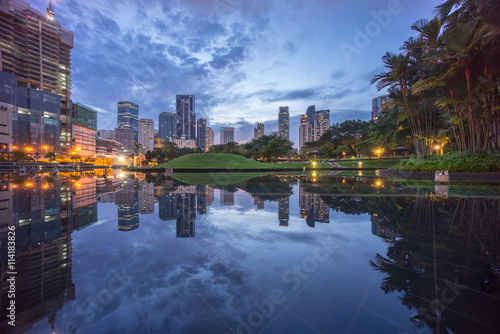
{"x":486,"y":161}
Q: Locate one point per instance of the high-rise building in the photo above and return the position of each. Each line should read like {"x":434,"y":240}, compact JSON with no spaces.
{"x":128,"y":117}
{"x":305,"y":130}
{"x":35,"y":121}
{"x":84,"y":115}
{"x":37,"y":49}
{"x":321,"y":123}
{"x":313,"y":124}
{"x":226,"y":197}
{"x":202,"y":132}
{"x":209,"y":137}
{"x":284,"y":123}
{"x":186,"y":114}
{"x":146,"y":134}
{"x":258,"y":131}
{"x":284,"y":211}
{"x":126,"y":138}
{"x":83,"y":130}
{"x":106,"y":134}
{"x":377,"y":105}
{"x":168,"y":126}
{"x":226,"y":135}
{"x":187,"y":215}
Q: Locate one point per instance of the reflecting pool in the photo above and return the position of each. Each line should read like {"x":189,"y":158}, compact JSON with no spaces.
{"x":133,"y":253}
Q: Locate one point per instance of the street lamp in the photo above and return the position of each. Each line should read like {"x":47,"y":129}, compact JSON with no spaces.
{"x":437,"y":147}
{"x":343,"y":154}
{"x":379,"y":152}
{"x":46,"y":148}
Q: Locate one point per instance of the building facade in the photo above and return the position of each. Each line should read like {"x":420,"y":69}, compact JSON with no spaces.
{"x":106,"y":134}
{"x":313,"y":124}
{"x":84,"y":141}
{"x":377,"y":105}
{"x":128,"y":117}
{"x":167,"y":126}
{"x":226,"y":135}
{"x":202,"y":133}
{"x":185,"y":143}
{"x":284,"y":123}
{"x":37,"y":49}
{"x":84,"y":115}
{"x":126,"y":138}
{"x":321,"y":123}
{"x":146,"y":134}
{"x":305,"y":130}
{"x":186,"y":115}
{"x":258,"y":131}
{"x":209,"y":138}
{"x":6,"y":128}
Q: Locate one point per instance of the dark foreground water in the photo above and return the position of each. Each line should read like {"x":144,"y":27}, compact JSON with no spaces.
{"x":274,"y":254}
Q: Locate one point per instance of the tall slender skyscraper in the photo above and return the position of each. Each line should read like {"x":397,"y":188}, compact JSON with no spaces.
{"x":284,"y":123}
{"x":313,"y":124}
{"x":37,"y":49}
{"x":168,"y":126}
{"x":185,"y":108}
{"x":128,"y":117}
{"x":258,"y":131}
{"x":321,"y":123}
{"x":202,"y":127}
{"x":209,"y":134}
{"x":305,"y":130}
{"x":146,"y":134}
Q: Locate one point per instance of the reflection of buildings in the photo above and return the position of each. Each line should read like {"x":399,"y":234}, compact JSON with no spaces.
{"x":182,"y":204}
{"x":284,"y":211}
{"x":146,"y":198}
{"x":84,"y":202}
{"x":226,"y":197}
{"x":313,"y":208}
{"x":128,"y":207}
{"x":379,"y":229}
{"x":42,"y":216}
{"x":258,"y":202}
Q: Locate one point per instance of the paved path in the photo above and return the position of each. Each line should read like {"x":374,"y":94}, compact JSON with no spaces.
{"x":336,"y":165}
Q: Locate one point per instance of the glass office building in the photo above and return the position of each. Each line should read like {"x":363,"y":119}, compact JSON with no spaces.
{"x":128,"y":117}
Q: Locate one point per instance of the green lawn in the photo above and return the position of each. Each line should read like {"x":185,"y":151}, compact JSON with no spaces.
{"x":373,"y":163}
{"x":229,"y":161}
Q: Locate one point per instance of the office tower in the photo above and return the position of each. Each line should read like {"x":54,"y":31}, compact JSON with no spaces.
{"x":35,"y":118}
{"x":257,"y":201}
{"x":226,"y":135}
{"x":321,"y":123}
{"x":209,"y":134}
{"x":377,"y":105}
{"x":168,"y":206}
{"x":305,"y":130}
{"x":83,"y":130}
{"x":187,"y":215}
{"x":258,"y":131}
{"x":126,"y":138}
{"x":37,"y":49}
{"x":202,"y":131}
{"x":186,"y":115}
{"x":106,"y":134}
{"x":146,"y":199}
{"x":168,"y":126}
{"x":5,"y":128}
{"x":284,"y":211}
{"x":284,"y":123}
{"x":310,"y":112}
{"x":226,"y":197}
{"x":128,"y":207}
{"x":146,"y":134}
{"x":128,"y":117}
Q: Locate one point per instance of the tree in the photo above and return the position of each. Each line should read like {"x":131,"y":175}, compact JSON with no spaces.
{"x":255,"y":146}
{"x":51,"y":156}
{"x":342,"y":150}
{"x":20,"y":156}
{"x":170,"y":151}
{"x":231,"y":148}
{"x":138,"y":149}
{"x":277,"y":147}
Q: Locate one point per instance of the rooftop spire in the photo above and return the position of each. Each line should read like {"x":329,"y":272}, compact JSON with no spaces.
{"x":50,"y":11}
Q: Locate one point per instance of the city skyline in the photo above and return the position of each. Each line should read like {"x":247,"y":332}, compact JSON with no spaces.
{"x":308,"y":62}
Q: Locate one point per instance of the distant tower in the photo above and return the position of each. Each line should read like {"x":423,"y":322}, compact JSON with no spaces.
{"x":146,"y":133}
{"x":321,"y":123}
{"x":377,"y":105}
{"x":305,"y":130}
{"x":186,"y":126}
{"x":226,"y":135}
{"x":284,"y":123}
{"x":202,"y":132}
{"x":209,"y":138}
{"x":128,"y":117}
{"x":258,"y":131}
{"x":167,"y":126}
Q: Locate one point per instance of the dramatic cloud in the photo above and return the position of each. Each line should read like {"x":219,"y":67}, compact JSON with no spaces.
{"x":242,"y":59}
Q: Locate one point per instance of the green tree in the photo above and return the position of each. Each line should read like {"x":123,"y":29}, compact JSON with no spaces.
{"x":20,"y":156}
{"x":341,"y":150}
{"x":277,"y":147}
{"x":51,"y":156}
{"x":170,"y":151}
{"x":231,"y":148}
{"x":255,"y":146}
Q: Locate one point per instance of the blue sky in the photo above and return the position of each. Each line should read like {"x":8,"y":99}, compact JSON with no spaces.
{"x":243,"y":59}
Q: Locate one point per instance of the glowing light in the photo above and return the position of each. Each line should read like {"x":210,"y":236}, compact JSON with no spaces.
{"x":14,"y":186}
{"x":45,"y":185}
{"x":29,"y":149}
{"x":29,"y":184}
{"x":122,"y":159}
{"x":14,"y":147}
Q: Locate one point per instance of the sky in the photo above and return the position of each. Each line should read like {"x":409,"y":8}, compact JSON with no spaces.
{"x":242,"y":59}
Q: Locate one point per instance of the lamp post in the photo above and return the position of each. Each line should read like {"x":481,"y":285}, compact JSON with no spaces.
{"x":379,"y":152}
{"x":437,"y":147}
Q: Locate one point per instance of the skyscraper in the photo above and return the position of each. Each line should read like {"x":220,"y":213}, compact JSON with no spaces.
{"x":126,"y":138}
{"x":310,"y":112}
{"x":226,"y":135}
{"x":146,"y":134}
{"x":284,"y":211}
{"x":168,"y":126}
{"x":377,"y":105}
{"x":128,"y":117}
{"x":321,"y":123}
{"x":202,"y":131}
{"x":284,"y":123}
{"x":258,"y":131}
{"x":305,"y":130}
{"x":37,"y":49}
{"x":185,"y":108}
{"x":209,"y":137}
